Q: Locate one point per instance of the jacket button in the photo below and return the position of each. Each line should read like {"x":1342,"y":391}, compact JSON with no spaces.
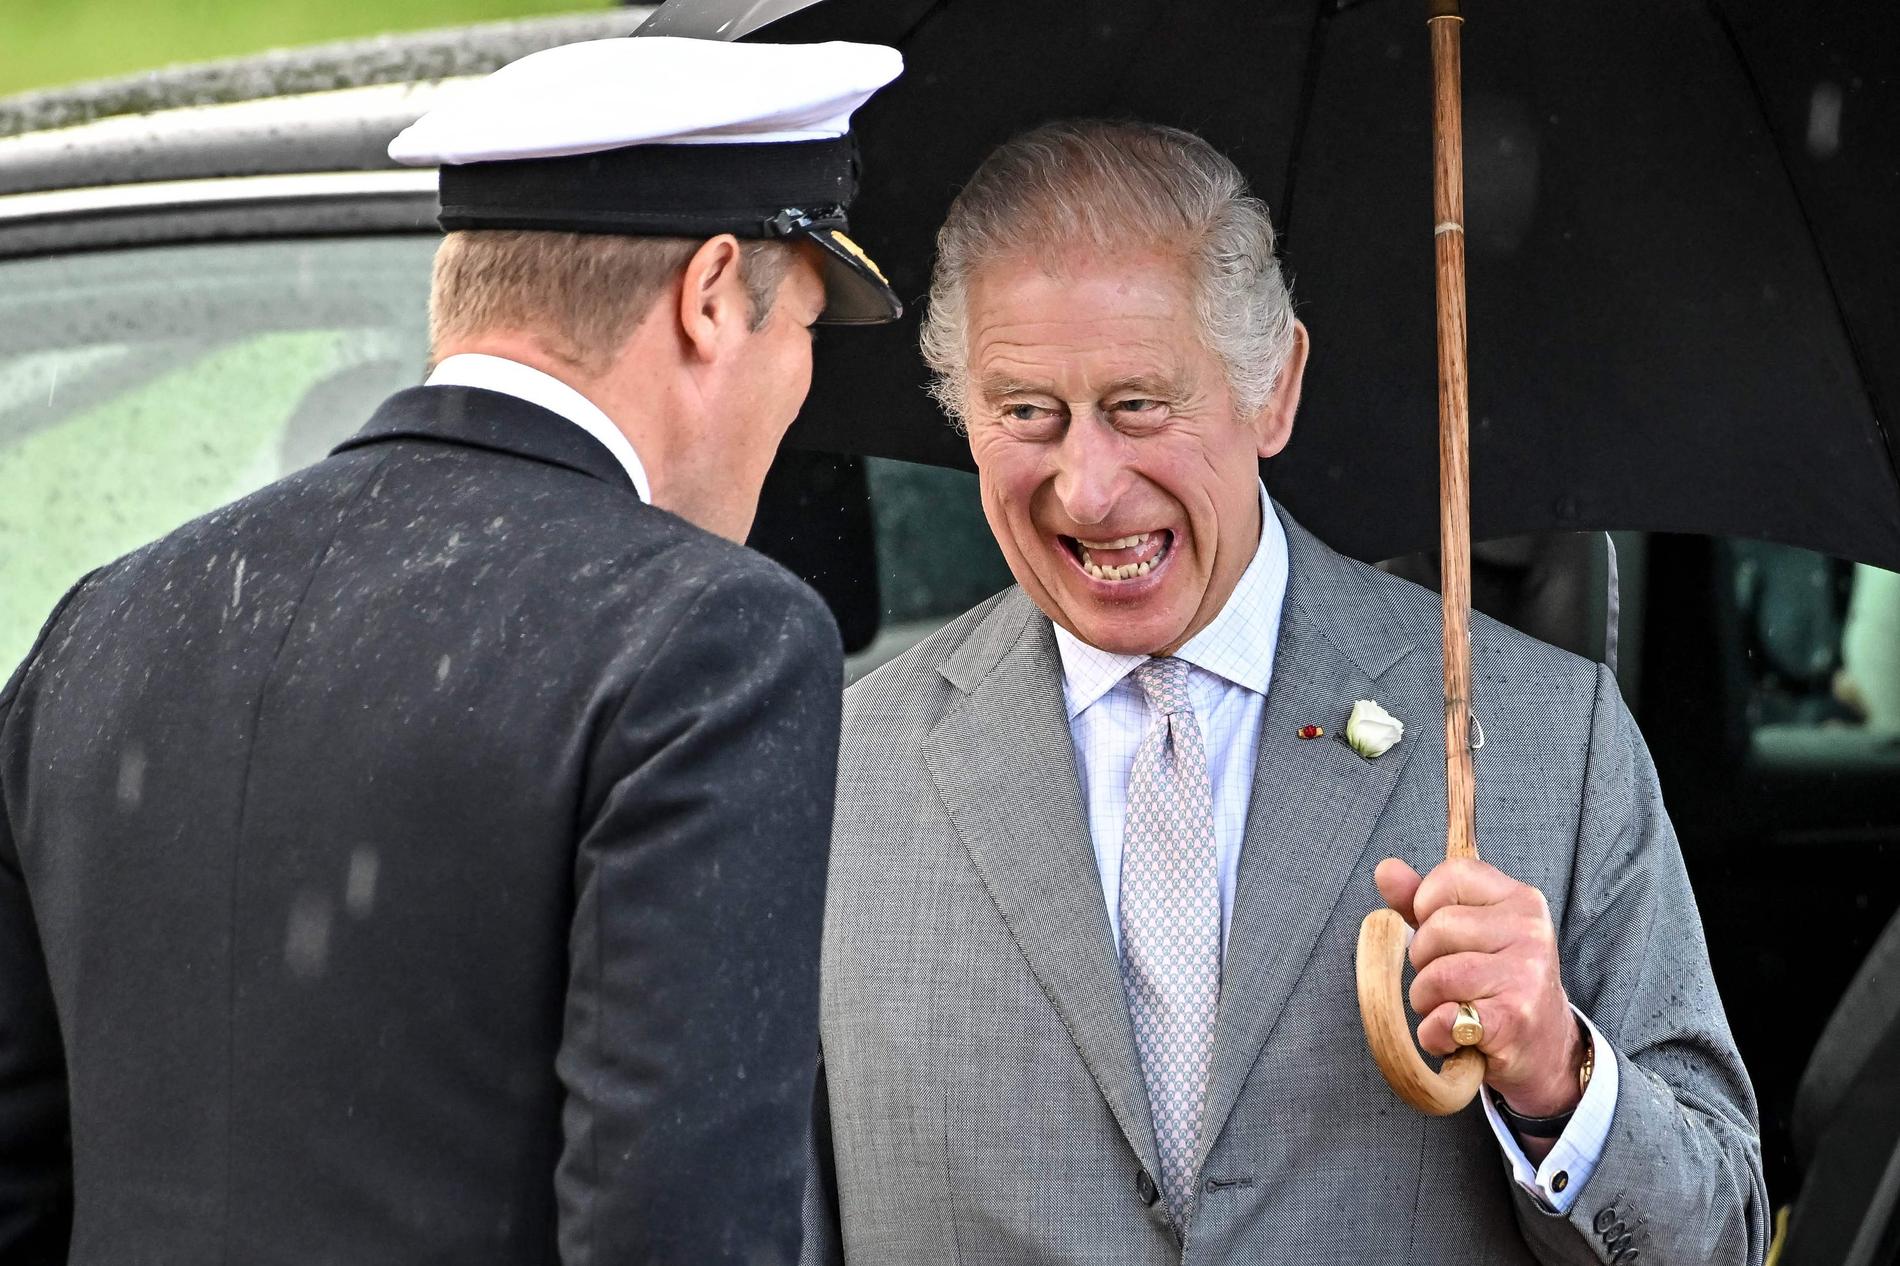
{"x":1145,"y":1188}
{"x":1605,"y":1219}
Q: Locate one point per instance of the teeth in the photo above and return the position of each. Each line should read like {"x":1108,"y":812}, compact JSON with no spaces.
{"x":1126,"y":542}
{"x":1127,"y":571}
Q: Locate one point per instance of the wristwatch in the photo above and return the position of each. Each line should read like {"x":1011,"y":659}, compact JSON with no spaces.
{"x":1550,"y":1127}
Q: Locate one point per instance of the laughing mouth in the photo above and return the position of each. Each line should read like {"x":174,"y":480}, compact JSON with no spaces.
{"x":1121,"y":558}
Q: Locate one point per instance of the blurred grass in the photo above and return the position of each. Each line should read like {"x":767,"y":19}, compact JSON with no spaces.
{"x":48,"y":42}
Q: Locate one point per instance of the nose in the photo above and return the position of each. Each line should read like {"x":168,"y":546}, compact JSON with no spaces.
{"x":1091,"y":473}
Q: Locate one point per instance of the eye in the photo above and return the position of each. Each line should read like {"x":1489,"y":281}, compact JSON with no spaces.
{"x":1136,"y":405}
{"x":1027,"y":420}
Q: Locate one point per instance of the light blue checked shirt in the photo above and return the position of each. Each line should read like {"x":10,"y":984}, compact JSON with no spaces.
{"x":1230,"y":668}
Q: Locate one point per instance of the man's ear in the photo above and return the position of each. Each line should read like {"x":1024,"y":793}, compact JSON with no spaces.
{"x":713,"y":303}
{"x":1273,"y":425}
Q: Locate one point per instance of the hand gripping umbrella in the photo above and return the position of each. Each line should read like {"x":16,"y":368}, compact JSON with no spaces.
{"x":1382,"y":936}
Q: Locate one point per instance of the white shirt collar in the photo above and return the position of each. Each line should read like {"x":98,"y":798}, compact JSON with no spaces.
{"x":512,"y":378}
{"x":1237,"y":645}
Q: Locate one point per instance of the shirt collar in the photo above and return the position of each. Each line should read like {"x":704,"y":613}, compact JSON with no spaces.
{"x":511,"y":377}
{"x":1237,"y":645}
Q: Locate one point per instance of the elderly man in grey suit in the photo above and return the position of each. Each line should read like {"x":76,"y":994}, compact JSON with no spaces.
{"x":1095,"y":880}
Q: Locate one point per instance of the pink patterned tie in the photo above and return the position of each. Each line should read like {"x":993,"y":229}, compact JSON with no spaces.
{"x":1170,"y":922}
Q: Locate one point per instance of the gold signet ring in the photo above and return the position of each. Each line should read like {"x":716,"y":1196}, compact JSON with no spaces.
{"x":1467,"y":1029}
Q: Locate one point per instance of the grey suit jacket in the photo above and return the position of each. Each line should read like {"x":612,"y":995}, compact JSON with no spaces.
{"x":985,"y":1101}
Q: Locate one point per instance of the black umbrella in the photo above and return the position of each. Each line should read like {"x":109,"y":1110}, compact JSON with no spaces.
{"x":1682,"y":239}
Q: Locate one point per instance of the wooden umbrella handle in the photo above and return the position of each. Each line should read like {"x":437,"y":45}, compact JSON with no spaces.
{"x":1382,"y":940}
{"x":1381,"y":964}
{"x":1454,"y":426}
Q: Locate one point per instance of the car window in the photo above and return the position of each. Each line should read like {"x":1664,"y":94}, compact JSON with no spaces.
{"x":141,"y":388}
{"x":1820,"y":640}
{"x":935,"y":555}
{"x":1870,"y":648}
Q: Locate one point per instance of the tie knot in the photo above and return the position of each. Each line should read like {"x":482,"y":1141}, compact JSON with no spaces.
{"x":1165,"y":682}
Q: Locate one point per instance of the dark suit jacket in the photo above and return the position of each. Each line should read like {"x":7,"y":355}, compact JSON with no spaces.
{"x":420,"y":860}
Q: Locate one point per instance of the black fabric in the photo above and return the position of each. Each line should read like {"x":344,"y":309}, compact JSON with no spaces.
{"x":1847,"y":1198}
{"x":493,"y":421}
{"x":1867,"y":1014}
{"x":815,"y":519}
{"x":686,"y":190}
{"x":783,"y":189}
{"x":424,"y":860}
{"x":36,"y":1179}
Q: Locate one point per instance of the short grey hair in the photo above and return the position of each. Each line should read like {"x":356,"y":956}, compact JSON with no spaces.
{"x":1112,"y":186}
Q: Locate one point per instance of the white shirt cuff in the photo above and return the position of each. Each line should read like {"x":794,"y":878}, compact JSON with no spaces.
{"x":1556,"y":1183}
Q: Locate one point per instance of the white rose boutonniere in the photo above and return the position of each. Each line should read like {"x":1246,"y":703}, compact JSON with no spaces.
{"x":1371,"y":730}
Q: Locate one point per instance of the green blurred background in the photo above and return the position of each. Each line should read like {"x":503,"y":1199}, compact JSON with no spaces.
{"x":44,"y":43}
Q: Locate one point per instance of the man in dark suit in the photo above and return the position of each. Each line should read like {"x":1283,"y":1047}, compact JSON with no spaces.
{"x":422,"y":859}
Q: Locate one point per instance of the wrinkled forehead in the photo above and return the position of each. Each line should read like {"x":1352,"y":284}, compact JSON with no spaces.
{"x":1104,"y":319}
{"x":1070,"y":255}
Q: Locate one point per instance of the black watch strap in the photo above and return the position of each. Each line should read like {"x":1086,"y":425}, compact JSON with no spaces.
{"x":1529,"y":1127}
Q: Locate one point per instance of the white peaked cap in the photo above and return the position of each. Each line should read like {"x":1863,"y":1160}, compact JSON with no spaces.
{"x":612,"y":93}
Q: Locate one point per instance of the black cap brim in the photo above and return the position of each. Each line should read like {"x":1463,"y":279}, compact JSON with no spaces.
{"x":784,"y":190}
{"x":856,"y":292}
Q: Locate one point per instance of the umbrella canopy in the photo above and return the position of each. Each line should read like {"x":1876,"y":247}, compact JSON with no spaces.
{"x":1683,"y":268}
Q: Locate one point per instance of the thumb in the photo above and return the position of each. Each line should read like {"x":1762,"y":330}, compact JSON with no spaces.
{"x":1398,"y":884}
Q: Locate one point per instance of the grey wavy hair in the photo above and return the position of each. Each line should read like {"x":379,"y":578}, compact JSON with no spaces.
{"x":1113,"y":186}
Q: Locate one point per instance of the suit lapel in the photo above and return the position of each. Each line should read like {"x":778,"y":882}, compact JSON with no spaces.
{"x":1313,"y":807}
{"x":1004,"y":763}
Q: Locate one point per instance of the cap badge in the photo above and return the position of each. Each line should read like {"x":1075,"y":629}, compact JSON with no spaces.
{"x":857,"y":253}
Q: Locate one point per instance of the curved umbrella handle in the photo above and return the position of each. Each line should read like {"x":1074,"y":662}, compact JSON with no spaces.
{"x":1389,"y":1032}
{"x":1381,"y":960}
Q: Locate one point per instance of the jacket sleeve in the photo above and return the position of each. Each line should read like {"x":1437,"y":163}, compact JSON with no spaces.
{"x":1680,"y":1177}
{"x":824,"y":1236}
{"x":36,"y":1182}
{"x":691,"y":1032}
